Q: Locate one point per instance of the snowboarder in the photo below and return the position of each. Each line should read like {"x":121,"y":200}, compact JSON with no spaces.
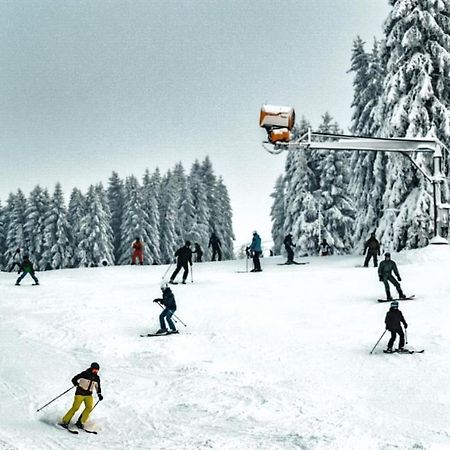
{"x":385,"y":270}
{"x":372,"y":246}
{"x":198,"y":253}
{"x":288,"y":244}
{"x":16,"y":260}
{"x":184,"y":257}
{"x":325,"y":248}
{"x":167,"y":300}
{"x":85,"y":382}
{"x":26,"y":267}
{"x":393,"y":321}
{"x":256,"y":251}
{"x":138,"y":252}
{"x":216,"y":245}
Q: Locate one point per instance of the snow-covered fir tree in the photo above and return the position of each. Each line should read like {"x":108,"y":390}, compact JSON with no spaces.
{"x":150,"y":193}
{"x":277,"y":213}
{"x":416,"y":103}
{"x":38,"y":204}
{"x":2,"y":235}
{"x":58,"y":251}
{"x":95,"y":243}
{"x":168,"y":240}
{"x":75,"y":214}
{"x":224,"y":226}
{"x":15,"y":231}
{"x":116,"y":201}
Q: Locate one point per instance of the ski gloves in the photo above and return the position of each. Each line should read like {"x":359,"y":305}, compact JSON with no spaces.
{"x":100,"y":397}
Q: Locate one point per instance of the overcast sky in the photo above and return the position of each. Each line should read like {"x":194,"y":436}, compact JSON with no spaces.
{"x":88,"y":87}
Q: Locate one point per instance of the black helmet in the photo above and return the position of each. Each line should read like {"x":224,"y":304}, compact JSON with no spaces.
{"x":95,"y":365}
{"x":387,"y":254}
{"x":187,"y":243}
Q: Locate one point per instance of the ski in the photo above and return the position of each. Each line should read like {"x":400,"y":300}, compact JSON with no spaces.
{"x":66,"y":427}
{"x":293,"y":263}
{"x":158,"y":334}
{"x":89,"y":431}
{"x":407,"y":352}
{"x":384,"y":300}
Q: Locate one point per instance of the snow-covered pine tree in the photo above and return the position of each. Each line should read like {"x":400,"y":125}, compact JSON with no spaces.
{"x":367,"y":180}
{"x":277,"y":213}
{"x":115,"y":202}
{"x":2,"y":235}
{"x":168,"y":239}
{"x":38,"y":204}
{"x":224,"y":225}
{"x":95,"y":243}
{"x":179,"y":182}
{"x":75,"y":214}
{"x":58,"y":251}
{"x":15,"y":231}
{"x":416,"y":103}
{"x":135,"y":222}
{"x":150,"y":194}
{"x":200,"y":229}
{"x":210,"y":182}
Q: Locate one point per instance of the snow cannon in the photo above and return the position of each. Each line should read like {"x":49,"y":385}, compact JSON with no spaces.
{"x":278,"y":122}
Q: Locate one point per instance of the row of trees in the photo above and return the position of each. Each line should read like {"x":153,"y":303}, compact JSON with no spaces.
{"x":401,"y":89}
{"x":163,"y":210}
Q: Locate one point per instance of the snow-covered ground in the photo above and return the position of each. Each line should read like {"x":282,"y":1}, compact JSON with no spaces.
{"x":272,"y":360}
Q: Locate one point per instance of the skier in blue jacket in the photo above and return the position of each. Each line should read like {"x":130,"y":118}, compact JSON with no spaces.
{"x":256,"y":251}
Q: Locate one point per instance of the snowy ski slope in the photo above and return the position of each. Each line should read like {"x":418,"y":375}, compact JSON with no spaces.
{"x":272,"y":360}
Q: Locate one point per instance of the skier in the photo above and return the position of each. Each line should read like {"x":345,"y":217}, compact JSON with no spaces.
{"x":184,"y":257}
{"x":288,"y":244}
{"x":27,"y":267}
{"x":168,"y":300}
{"x":325,"y":248}
{"x":85,"y":382}
{"x":16,"y":260}
{"x":138,"y":252}
{"x":372,"y":246}
{"x":385,"y":270}
{"x":198,"y":253}
{"x":216,"y":245}
{"x":256,"y":251}
{"x":394,"y":318}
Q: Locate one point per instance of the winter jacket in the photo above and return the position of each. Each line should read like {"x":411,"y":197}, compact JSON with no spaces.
{"x":393,"y":319}
{"x":198,"y":251}
{"x":138,"y":246}
{"x":184,"y":255}
{"x":214,"y":242}
{"x":386,"y":267}
{"x":373,"y":246}
{"x":27,"y":266}
{"x":86,"y":382}
{"x":255,"y":246}
{"x":288,"y":241}
{"x":168,"y":299}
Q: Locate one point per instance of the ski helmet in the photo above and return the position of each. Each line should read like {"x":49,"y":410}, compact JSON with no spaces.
{"x":95,"y":366}
{"x":387,"y":254}
{"x":187,"y":243}
{"x":164,"y":285}
{"x":394,"y":304}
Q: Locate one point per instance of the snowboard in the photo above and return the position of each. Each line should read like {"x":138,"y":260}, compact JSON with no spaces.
{"x":407,"y":352}
{"x":410,"y":297}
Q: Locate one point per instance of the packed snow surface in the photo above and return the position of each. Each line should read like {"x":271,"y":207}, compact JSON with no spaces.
{"x":272,"y":360}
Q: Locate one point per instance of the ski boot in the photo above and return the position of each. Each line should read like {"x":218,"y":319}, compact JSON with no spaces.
{"x":389,"y":350}
{"x":161,"y":331}
{"x":79,"y":425}
{"x":17,"y":284}
{"x":183,"y":282}
{"x":64,"y":425}
{"x":173,"y":331}
{"x":402,"y":296}
{"x":402,"y":350}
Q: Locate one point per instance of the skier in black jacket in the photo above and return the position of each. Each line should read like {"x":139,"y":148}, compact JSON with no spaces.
{"x":26,"y":267}
{"x":216,"y":245}
{"x":168,"y":300}
{"x":385,"y":274}
{"x":184,"y":257}
{"x":85,"y":382}
{"x":372,"y":246}
{"x":393,"y":321}
{"x":198,"y":252}
{"x":288,"y":244}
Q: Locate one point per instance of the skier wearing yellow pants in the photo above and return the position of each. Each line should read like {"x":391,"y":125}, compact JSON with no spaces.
{"x":85,"y":382}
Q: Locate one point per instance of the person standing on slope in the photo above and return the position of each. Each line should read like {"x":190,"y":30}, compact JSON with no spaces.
{"x":167,"y":300}
{"x":198,"y":253}
{"x":288,"y":244}
{"x":216,"y":245}
{"x":385,"y":270}
{"x":138,"y":252}
{"x":256,"y":251}
{"x":26,"y":267}
{"x":393,"y":321}
{"x":324,"y":248}
{"x":85,"y":382}
{"x":184,"y":257}
{"x":372,"y":246}
{"x":16,"y":260}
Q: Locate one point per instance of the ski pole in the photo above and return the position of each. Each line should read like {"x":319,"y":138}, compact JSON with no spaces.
{"x":192,"y":274}
{"x":56,"y":398}
{"x":96,"y":403}
{"x":174,"y":315}
{"x":246,"y":264}
{"x":167,"y":271}
{"x":406,"y":336}
{"x":381,"y":337}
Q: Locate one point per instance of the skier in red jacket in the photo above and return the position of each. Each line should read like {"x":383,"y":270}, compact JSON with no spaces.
{"x":138,"y":252}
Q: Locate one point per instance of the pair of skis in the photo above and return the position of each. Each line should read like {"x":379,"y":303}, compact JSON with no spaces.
{"x":168,"y":333}
{"x":72,"y":431}
{"x":406,"y":352}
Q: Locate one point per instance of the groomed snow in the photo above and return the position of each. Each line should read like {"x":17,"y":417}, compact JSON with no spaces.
{"x":272,"y":360}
